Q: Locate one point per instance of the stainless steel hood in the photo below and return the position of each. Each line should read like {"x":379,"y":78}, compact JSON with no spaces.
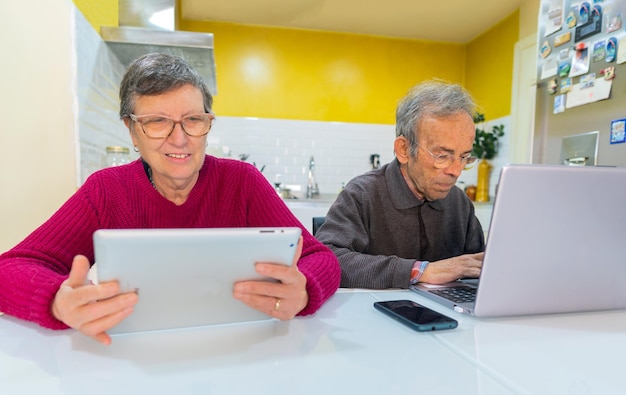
{"x":138,"y":35}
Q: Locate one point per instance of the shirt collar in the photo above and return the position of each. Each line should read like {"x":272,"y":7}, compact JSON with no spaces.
{"x":401,"y":195}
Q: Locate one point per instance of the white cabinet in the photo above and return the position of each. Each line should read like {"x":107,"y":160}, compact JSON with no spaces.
{"x":306,"y":209}
{"x":483,"y":213}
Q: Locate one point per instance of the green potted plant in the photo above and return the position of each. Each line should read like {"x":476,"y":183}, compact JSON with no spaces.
{"x":486,"y":143}
{"x":486,"y":146}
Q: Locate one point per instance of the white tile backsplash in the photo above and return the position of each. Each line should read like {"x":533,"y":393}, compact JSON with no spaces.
{"x":99,"y":74}
{"x":341,"y":150}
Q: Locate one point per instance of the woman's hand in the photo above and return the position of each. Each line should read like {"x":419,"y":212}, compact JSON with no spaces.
{"x":282,"y":300}
{"x":91,"y":309}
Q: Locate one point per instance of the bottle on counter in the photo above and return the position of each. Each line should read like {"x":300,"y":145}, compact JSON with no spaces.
{"x":116,"y":156}
{"x":470,"y":191}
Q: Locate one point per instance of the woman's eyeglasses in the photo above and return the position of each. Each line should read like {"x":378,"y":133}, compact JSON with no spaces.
{"x":161,"y":127}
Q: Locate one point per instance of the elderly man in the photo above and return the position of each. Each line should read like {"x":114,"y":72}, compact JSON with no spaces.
{"x":407,"y":222}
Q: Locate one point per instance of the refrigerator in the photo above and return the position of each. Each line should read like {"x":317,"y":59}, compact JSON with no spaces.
{"x":580,"y":113}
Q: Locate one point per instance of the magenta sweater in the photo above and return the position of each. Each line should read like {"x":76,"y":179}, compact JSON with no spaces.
{"x":228,"y":193}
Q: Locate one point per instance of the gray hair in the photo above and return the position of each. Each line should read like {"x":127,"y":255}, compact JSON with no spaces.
{"x":157,"y":73}
{"x":431,"y":98}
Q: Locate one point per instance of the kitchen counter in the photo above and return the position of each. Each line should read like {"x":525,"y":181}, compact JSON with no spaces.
{"x":346,"y":347}
{"x":306,"y":209}
{"x":324,"y":198}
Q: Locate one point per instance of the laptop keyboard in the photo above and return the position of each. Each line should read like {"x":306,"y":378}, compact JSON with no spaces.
{"x":461,"y":294}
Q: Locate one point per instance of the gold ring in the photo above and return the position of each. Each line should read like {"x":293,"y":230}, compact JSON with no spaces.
{"x":277,"y":305}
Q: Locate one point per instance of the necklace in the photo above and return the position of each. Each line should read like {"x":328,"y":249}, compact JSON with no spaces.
{"x":149,"y":170}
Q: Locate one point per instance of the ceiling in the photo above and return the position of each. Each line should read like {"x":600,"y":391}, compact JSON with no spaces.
{"x":456,"y":21}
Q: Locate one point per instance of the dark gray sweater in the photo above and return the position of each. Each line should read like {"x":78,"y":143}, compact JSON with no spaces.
{"x":374,"y":230}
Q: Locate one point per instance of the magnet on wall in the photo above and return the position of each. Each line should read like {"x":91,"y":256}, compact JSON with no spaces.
{"x":608,"y":73}
{"x":599,"y":51}
{"x":552,"y":86}
{"x":596,"y":12}
{"x":545,"y":49}
{"x":580,"y":63}
{"x":587,"y":81}
{"x":559,"y":104}
{"x":611,"y":49}
{"x":618,"y":131}
{"x":566,"y":85}
{"x":564,"y":68}
{"x":571,"y":19}
{"x":562,"y":39}
{"x":583,"y":13}
{"x":614,"y":23}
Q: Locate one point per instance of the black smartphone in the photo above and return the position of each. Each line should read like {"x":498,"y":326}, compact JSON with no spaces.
{"x":415,"y":315}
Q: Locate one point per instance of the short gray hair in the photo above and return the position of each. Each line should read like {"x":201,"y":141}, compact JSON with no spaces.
{"x":157,"y":73}
{"x":431,"y":98}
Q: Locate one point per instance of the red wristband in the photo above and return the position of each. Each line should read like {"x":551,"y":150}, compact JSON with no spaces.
{"x":417,"y":271}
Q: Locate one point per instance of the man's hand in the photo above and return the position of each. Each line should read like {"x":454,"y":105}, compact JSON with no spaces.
{"x":452,"y":269}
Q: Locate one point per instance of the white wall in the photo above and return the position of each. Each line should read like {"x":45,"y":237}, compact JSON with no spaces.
{"x":37,"y":164}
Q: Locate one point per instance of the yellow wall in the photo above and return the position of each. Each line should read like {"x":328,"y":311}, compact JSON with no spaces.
{"x":299,"y":74}
{"x":489,"y":69}
{"x":99,"y":12}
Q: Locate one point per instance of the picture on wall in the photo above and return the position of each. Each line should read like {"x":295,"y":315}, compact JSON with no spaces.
{"x":618,"y":131}
{"x":580,"y":64}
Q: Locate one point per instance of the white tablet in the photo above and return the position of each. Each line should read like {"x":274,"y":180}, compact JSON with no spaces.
{"x":185,"y":277}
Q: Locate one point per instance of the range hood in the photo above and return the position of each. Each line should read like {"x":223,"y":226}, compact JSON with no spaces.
{"x":139,"y":34}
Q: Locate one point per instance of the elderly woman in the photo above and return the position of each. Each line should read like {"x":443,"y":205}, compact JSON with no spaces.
{"x":167,"y":109}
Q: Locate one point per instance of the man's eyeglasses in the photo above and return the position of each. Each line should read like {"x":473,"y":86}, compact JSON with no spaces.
{"x":161,"y":127}
{"x":443,"y":161}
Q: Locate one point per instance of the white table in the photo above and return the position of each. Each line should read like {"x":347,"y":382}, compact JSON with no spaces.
{"x":346,"y":347}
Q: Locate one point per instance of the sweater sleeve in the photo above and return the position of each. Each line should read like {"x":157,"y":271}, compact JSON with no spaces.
{"x":318,"y":263}
{"x":32,"y":271}
{"x":345,"y":231}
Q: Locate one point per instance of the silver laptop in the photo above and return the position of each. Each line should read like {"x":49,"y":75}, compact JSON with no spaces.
{"x":185,"y":277}
{"x":555,"y":245}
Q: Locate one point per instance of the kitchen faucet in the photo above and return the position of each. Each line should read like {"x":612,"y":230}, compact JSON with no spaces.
{"x":311,"y":186}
